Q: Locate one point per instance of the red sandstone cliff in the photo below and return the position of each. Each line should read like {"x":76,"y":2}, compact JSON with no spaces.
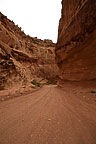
{"x":23,"y":58}
{"x":76,"y":46}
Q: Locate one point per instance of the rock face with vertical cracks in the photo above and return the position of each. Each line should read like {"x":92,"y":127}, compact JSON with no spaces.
{"x":76,"y":46}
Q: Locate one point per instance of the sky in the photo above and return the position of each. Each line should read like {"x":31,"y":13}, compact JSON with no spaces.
{"x":38,"y":18}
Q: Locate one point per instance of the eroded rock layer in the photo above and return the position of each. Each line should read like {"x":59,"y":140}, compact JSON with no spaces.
{"x":23,"y":58}
{"x":76,"y":46}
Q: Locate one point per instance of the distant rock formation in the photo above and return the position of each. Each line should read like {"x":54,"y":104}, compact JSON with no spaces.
{"x":22,"y":57}
{"x":76,"y":46}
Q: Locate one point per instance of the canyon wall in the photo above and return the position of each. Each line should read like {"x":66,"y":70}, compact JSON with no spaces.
{"x":76,"y":45}
{"x":23,"y":58}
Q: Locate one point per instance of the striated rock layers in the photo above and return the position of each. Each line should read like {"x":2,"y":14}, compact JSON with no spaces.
{"x":22,"y":57}
{"x":76,"y":46}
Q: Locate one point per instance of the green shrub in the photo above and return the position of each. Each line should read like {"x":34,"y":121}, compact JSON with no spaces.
{"x":51,"y":83}
{"x":34,"y":82}
{"x":32,"y":86}
{"x":93,"y":91}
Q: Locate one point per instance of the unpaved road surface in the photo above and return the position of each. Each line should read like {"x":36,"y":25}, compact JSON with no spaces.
{"x":48,"y":116}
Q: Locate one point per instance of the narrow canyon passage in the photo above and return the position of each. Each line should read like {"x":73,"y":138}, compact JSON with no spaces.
{"x":48,"y":116}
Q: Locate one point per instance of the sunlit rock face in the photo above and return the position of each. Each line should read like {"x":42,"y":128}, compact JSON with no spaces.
{"x":22,"y":57}
{"x":76,"y":46}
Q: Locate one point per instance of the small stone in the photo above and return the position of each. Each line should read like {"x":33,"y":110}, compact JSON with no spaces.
{"x":49,"y":119}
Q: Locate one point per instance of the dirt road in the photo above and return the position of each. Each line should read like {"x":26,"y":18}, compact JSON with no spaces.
{"x":48,"y":116}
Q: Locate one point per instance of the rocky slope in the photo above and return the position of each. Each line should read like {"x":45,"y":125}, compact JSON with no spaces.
{"x":76,"y":46}
{"x":23,"y":58}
